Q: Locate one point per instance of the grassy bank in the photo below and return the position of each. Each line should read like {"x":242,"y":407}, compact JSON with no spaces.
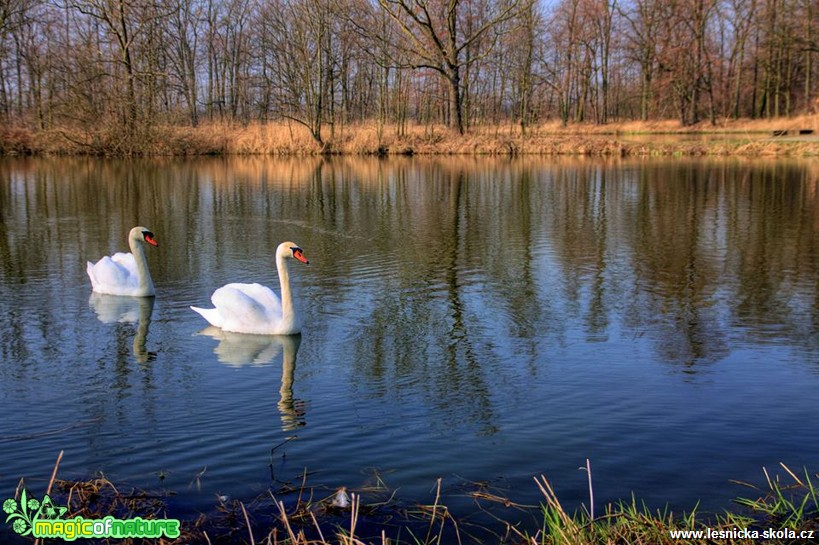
{"x":660,"y":138}
{"x":297,"y":514}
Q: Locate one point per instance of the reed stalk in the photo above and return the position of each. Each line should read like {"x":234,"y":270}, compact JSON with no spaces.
{"x":788,"y":500}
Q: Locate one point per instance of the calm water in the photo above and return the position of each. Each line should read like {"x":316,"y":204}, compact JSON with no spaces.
{"x":473,"y":320}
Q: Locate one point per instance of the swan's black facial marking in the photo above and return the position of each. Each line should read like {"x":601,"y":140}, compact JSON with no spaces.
{"x":298,"y":254}
{"x":149,"y":238}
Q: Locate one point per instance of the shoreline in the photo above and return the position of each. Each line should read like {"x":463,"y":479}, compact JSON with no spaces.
{"x":796,"y":137}
{"x":298,"y":513}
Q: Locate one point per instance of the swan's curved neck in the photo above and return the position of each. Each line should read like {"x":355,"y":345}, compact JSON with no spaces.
{"x":146,"y":283}
{"x":288,"y":312}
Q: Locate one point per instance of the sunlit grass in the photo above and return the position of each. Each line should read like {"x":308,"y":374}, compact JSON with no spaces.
{"x":279,"y":138}
{"x":785,"y":505}
{"x":792,"y":506}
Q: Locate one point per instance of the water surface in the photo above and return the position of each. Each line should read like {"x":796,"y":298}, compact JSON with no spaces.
{"x":475,"y":320}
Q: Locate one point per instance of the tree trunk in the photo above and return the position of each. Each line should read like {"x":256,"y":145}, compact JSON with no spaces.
{"x":456,"y":121}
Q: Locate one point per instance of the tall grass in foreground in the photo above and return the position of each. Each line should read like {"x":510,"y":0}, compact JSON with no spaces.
{"x":787,"y":508}
{"x":789,"y":512}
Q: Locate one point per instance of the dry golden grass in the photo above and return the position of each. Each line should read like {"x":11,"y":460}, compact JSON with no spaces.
{"x":631,"y":138}
{"x":747,"y":138}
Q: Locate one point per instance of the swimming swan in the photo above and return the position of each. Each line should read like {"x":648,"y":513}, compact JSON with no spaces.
{"x":253,"y":308}
{"x":125,"y":274}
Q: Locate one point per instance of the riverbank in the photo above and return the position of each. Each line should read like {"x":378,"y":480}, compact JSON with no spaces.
{"x":784,"y":511}
{"x":797,"y":137}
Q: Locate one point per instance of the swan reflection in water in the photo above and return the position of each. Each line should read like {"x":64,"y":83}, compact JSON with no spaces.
{"x":113,"y":309}
{"x":239,"y":349}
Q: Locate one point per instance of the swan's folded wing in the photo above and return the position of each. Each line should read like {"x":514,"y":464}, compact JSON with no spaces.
{"x":246,"y":306}
{"x":126,"y":260}
{"x":262,"y":295}
{"x":107,"y":273}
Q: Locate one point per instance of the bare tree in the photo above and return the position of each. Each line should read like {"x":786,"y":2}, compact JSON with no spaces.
{"x":438,"y":41}
{"x":603,"y":12}
{"x":297,"y":60}
{"x":738,"y":14}
{"x":124,"y":21}
{"x":531,"y":73}
{"x":116,"y":16}
{"x":645,"y":18}
{"x":184,"y":28}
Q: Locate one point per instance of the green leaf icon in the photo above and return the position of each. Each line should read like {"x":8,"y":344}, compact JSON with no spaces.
{"x":10,"y":506}
{"x":50,"y":510}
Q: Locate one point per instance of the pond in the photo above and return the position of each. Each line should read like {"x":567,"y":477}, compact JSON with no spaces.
{"x":482,"y":321}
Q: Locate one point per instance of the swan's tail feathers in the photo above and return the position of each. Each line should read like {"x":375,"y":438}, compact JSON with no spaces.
{"x":89,"y":268}
{"x":212,"y":315}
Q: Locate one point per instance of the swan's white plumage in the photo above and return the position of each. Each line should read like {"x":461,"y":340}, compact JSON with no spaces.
{"x":256,"y":309}
{"x":124,"y":273}
{"x":246,"y":307}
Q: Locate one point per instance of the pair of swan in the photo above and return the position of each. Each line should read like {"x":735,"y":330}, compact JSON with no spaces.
{"x":240,"y":308}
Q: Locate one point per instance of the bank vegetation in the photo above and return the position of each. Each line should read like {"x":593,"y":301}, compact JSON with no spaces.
{"x":135,"y":77}
{"x":783,"y":511}
{"x":286,"y":139}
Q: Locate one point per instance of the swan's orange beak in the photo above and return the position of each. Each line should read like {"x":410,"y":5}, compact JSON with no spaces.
{"x":149,"y":238}
{"x":298,"y":254}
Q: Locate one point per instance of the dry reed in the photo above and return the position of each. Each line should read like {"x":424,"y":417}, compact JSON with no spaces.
{"x":792,"y":506}
{"x":727,"y":137}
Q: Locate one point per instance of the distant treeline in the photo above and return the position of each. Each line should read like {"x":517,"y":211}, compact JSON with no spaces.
{"x":124,"y":66}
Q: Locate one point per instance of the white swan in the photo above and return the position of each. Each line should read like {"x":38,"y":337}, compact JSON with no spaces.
{"x":253,"y":308}
{"x":125,"y":274}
